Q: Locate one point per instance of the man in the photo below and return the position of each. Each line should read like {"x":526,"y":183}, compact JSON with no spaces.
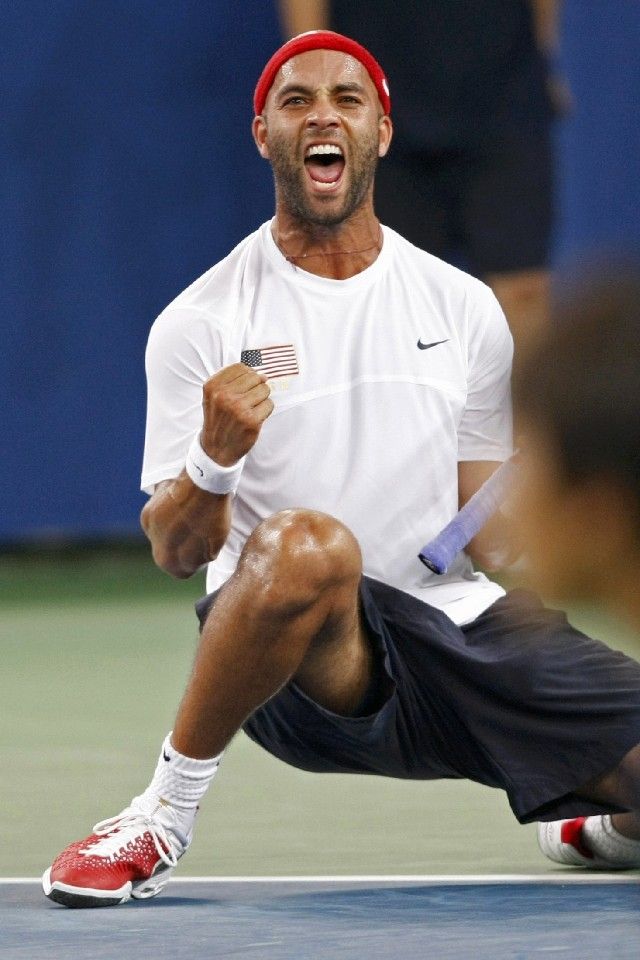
{"x":476,"y":87}
{"x":370,"y":400}
{"x":579,"y":493}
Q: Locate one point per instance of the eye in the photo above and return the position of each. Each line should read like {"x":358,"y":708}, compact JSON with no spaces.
{"x":294,"y":101}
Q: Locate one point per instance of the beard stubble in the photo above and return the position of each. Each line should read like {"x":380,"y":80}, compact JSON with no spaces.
{"x":289,"y":176}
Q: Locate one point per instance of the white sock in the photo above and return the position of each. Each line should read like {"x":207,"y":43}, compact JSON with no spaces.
{"x":181,"y":782}
{"x":602,"y":838}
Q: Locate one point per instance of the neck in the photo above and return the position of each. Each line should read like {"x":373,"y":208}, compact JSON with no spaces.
{"x":338,"y":251}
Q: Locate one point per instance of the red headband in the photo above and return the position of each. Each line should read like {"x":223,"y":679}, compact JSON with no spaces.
{"x":320,"y":40}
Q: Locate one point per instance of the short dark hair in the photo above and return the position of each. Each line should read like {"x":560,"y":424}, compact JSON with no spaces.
{"x":581,"y":385}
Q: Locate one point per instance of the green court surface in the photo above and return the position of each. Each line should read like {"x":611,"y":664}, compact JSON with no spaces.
{"x":96,"y":647}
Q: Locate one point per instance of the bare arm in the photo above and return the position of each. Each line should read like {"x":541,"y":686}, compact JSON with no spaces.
{"x":188,"y":526}
{"x":298,"y":16}
{"x":494,"y":546}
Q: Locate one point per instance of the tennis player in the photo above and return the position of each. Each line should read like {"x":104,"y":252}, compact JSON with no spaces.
{"x":320,"y":403}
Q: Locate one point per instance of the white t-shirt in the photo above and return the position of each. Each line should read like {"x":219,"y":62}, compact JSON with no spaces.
{"x":382,"y":383}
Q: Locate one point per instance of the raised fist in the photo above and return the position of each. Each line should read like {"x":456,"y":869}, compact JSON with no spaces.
{"x":236,"y":401}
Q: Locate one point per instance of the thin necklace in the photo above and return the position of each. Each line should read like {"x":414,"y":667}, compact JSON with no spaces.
{"x":292,"y":258}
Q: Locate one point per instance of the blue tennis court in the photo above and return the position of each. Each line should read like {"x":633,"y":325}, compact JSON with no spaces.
{"x":444,"y":918}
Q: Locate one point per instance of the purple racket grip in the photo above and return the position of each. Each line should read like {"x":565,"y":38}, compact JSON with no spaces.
{"x":439,"y":553}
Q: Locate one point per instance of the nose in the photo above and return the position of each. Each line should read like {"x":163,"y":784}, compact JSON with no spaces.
{"x":323,"y":113}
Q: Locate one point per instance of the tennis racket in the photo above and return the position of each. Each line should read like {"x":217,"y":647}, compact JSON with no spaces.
{"x":439,"y":553}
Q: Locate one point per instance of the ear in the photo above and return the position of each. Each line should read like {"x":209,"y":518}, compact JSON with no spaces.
{"x":385,"y":133}
{"x":259,"y":131}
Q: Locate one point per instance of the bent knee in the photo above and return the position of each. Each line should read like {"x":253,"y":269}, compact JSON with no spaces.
{"x":302,"y":551}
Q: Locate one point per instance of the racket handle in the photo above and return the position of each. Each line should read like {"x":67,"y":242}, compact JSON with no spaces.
{"x":439,"y":553}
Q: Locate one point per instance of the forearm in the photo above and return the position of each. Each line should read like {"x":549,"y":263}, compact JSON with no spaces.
{"x":495,"y":546}
{"x":187,"y":526}
{"x":298,"y":16}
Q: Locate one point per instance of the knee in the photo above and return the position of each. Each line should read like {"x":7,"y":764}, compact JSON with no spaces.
{"x":297,"y":554}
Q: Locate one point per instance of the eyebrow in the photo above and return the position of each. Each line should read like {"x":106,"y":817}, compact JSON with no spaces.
{"x":290,"y":88}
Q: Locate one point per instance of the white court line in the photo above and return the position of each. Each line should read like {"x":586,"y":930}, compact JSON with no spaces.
{"x":445,"y":879}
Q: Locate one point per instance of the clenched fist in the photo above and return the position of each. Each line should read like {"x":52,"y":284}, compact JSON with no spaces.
{"x":236,"y":401}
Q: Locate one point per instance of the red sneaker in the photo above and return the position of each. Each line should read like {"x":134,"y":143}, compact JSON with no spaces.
{"x":130,"y":855}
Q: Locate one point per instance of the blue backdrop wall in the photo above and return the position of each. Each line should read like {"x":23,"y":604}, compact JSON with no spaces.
{"x":128,"y":169}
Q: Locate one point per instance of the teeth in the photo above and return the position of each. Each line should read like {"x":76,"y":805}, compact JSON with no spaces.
{"x":323,"y":148}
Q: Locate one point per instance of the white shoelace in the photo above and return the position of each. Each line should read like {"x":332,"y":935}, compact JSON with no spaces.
{"x":117,"y":832}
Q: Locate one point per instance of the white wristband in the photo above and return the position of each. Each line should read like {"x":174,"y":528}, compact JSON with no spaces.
{"x":209,"y":475}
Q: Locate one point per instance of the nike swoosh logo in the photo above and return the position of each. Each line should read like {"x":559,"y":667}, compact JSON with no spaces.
{"x":427,"y":346}
{"x":201,"y":472}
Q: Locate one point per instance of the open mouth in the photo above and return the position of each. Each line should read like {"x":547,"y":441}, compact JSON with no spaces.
{"x":325,"y":164}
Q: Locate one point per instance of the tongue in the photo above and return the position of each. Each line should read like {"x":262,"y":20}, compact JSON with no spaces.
{"x":325,"y":173}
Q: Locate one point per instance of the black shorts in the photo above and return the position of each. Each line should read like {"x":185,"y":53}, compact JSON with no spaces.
{"x":487,"y":207}
{"x":518,"y":700}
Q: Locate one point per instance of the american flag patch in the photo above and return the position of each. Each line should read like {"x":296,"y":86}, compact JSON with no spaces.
{"x":272,"y":361}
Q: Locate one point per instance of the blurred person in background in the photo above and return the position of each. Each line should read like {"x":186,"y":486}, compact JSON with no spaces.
{"x":576,"y":399}
{"x":470,"y":175}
